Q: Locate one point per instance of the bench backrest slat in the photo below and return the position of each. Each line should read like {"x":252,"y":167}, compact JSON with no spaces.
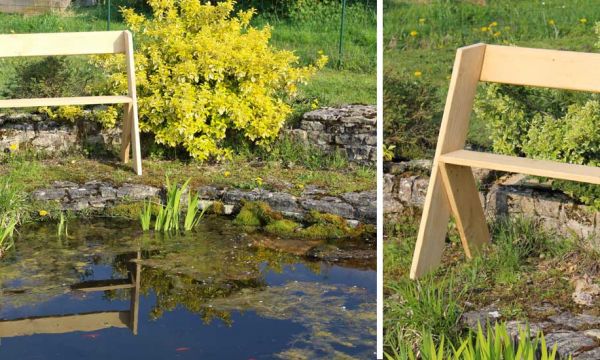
{"x":543,"y":68}
{"x":73,"y":43}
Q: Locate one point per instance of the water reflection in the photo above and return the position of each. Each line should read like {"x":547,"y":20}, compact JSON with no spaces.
{"x":91,"y":321}
{"x":215,"y":294}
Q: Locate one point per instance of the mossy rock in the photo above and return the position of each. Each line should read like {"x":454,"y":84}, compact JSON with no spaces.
{"x":217,"y":208}
{"x":284,"y":227}
{"x":315,"y":217}
{"x":247,"y":217}
{"x":256,"y":213}
{"x":130,"y":210}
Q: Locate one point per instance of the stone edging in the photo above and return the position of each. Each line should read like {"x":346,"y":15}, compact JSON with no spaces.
{"x":405,"y":186}
{"x":356,"y":207}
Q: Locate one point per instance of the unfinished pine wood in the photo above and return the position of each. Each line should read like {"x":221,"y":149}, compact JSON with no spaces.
{"x":67,"y":43}
{"x":136,"y":153}
{"x":103,"y":285}
{"x":81,"y":43}
{"x":82,"y":100}
{"x":126,"y":133}
{"x":453,"y":133}
{"x":467,"y":209}
{"x":544,"y":168}
{"x":539,"y":67}
{"x":452,"y":184}
{"x":64,"y":324}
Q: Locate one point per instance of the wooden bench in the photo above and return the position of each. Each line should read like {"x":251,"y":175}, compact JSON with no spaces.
{"x":83,"y":43}
{"x":452,"y":188}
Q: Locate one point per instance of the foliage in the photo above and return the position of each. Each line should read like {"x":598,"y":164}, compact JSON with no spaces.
{"x":7,"y":228}
{"x":53,"y":76}
{"x":419,"y":307}
{"x":545,"y":124}
{"x":204,"y":73}
{"x":411,"y":113}
{"x":493,"y":344}
{"x":167,"y":217}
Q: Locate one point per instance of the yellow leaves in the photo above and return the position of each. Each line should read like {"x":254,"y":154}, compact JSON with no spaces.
{"x":204,"y":72}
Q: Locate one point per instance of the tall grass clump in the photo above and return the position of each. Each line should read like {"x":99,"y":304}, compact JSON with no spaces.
{"x":419,"y":307}
{"x":492,"y":344}
{"x":168,"y":217}
{"x":7,"y":228}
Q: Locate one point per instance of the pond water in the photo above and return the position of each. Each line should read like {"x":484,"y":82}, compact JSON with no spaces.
{"x":107,"y":291}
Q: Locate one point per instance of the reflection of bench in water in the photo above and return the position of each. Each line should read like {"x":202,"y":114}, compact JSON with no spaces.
{"x":58,"y":324}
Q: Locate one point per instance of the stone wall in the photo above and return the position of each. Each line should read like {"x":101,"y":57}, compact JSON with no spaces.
{"x":356,"y":207}
{"x":25,"y":130}
{"x":405,"y":187}
{"x":351,"y":129}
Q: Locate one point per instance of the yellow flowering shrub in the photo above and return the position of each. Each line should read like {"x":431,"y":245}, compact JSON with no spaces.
{"x":203,"y":73}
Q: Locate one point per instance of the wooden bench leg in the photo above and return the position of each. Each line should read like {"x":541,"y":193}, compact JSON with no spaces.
{"x":433,"y":228}
{"x":461,"y":190}
{"x":135,"y":140}
{"x":126,"y":133}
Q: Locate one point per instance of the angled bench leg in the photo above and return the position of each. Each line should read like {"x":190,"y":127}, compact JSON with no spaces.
{"x":453,"y":135}
{"x":136,"y":153}
{"x":126,"y":133}
{"x":433,"y":228}
{"x":466,"y":207}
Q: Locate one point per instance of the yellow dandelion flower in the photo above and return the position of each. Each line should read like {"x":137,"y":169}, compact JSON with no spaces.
{"x":551,"y":22}
{"x":583,"y":20}
{"x":300,"y":186}
{"x":421,"y":21}
{"x":484,"y":29}
{"x":494,"y":24}
{"x":13,"y":147}
{"x":418,"y":73}
{"x":259,"y":181}
{"x":414,"y":33}
{"x":497,"y":33}
{"x":43,"y":213}
{"x":227,"y":174}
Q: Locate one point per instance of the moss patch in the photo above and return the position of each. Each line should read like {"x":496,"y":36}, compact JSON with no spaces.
{"x":320,"y":225}
{"x":284,"y":227}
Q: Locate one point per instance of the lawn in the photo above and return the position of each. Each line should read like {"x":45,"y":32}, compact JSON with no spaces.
{"x":421,"y":38}
{"x":351,"y":80}
{"x":526,"y":264}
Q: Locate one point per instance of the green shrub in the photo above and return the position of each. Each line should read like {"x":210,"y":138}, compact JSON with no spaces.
{"x":53,"y":76}
{"x":204,"y":74}
{"x":545,"y":124}
{"x":412,"y":112}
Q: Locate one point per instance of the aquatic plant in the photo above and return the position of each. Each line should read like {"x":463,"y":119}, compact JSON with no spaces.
{"x":193,"y":214}
{"x":168,"y":214}
{"x":7,"y":228}
{"x":146,"y":215}
{"x":62,"y":226}
{"x":493,"y":343}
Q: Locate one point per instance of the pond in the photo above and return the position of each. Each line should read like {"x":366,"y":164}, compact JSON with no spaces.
{"x":107,"y":291}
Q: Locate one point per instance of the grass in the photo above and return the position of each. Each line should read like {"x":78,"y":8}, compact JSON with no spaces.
{"x":439,"y":27}
{"x":524,"y":266}
{"x":352,"y":82}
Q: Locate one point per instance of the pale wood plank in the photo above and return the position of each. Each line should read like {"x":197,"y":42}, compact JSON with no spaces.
{"x":126,"y":133}
{"x":64,"y":324}
{"x":103,"y":285}
{"x":135,"y":128}
{"x":68,"y":43}
{"x":466,"y":206}
{"x":82,"y":100}
{"x":135,"y":294}
{"x":453,"y":133}
{"x":544,"y":168}
{"x":543,"y":68}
